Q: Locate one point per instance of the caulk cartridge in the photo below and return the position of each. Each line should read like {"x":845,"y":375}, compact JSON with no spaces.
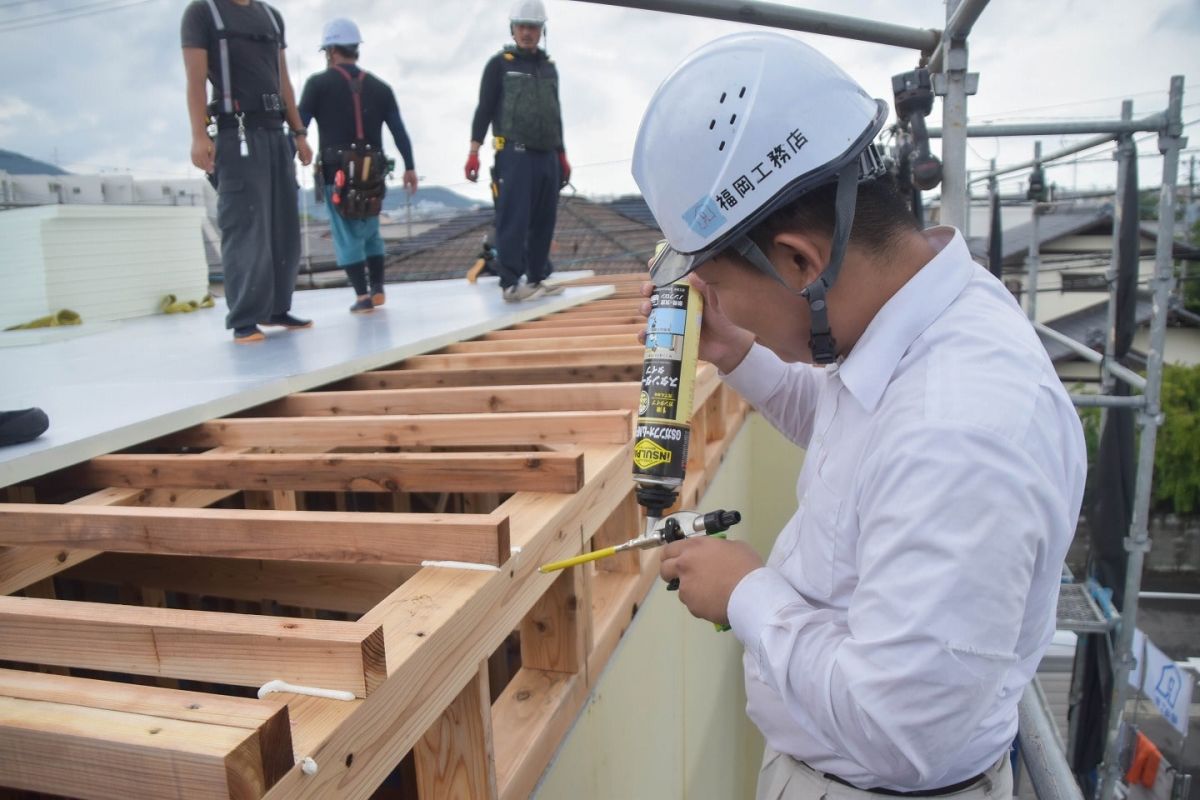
{"x":660,"y":449}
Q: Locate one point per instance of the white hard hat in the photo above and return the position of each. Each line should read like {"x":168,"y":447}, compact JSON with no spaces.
{"x":528,"y":12}
{"x":340,"y":31}
{"x":744,"y":125}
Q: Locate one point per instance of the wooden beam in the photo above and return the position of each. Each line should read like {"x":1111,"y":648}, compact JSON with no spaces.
{"x":490,"y":376}
{"x":350,"y":537}
{"x":530,"y":719}
{"x":473,"y":612}
{"x":341,"y":472}
{"x":567,"y":322}
{"x":353,"y":588}
{"x":77,"y":751}
{"x":625,"y":354}
{"x":21,"y":566}
{"x":455,"y":758}
{"x":583,"y":331}
{"x":415,"y":430}
{"x":458,"y":400}
{"x":234,"y":649}
{"x":550,"y":342}
{"x":556,"y":633}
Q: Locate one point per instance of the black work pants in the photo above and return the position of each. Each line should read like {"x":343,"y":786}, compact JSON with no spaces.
{"x":260,"y":224}
{"x":526,"y":208}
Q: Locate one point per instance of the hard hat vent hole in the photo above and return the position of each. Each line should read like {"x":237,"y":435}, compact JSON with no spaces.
{"x":712,"y":124}
{"x":722,"y":147}
{"x":732,"y":119}
{"x":742,"y":93}
{"x":722,"y":97}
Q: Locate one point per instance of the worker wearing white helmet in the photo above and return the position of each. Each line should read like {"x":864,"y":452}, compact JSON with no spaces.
{"x":351,"y":106}
{"x":518,"y":99}
{"x":908,"y":601}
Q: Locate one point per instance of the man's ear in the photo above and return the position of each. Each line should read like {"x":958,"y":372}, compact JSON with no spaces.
{"x":799,"y":257}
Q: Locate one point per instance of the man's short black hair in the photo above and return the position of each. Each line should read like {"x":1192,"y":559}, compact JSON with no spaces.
{"x":346,"y":50}
{"x":882,"y":215}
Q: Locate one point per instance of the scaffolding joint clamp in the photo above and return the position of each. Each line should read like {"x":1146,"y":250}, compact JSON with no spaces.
{"x":1132,"y":545}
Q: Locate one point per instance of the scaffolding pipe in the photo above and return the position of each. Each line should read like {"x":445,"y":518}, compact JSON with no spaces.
{"x":1042,"y":749}
{"x":1108,"y":401}
{"x":1109,"y":128}
{"x":954,"y":121}
{"x":776,"y":15}
{"x":1125,"y":150}
{"x":957,"y":27}
{"x":1170,"y":142}
{"x":1079,"y":147}
{"x":1087,"y":353}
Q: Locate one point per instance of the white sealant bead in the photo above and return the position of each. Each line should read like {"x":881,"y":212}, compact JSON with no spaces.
{"x":308,"y":766}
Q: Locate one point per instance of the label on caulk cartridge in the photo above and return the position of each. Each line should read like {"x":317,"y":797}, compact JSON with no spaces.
{"x":665,"y":404}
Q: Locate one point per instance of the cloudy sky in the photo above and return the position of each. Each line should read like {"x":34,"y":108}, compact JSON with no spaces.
{"x":98,"y":85}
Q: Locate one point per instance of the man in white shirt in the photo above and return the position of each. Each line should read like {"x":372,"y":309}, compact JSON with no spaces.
{"x":907,"y":603}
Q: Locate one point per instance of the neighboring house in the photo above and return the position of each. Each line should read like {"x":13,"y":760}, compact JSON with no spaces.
{"x":1076,"y":248}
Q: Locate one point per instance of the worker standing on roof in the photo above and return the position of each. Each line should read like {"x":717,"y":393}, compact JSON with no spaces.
{"x":351,"y":106}
{"x":908,"y":601}
{"x":238,"y":46}
{"x":518,"y":97}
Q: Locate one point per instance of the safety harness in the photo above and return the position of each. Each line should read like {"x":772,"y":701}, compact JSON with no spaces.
{"x":227,"y":105}
{"x":359,"y":183}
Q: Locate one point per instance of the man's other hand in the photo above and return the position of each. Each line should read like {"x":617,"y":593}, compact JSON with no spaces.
{"x":303,"y":150}
{"x":202,"y":153}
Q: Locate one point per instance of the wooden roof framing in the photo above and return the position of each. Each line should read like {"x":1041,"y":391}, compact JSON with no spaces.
{"x":240,"y":552}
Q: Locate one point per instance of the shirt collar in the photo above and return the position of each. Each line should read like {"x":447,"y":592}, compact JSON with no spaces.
{"x":869,"y":367}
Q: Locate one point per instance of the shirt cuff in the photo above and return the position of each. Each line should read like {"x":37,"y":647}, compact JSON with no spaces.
{"x":754,"y":603}
{"x":758,"y":376}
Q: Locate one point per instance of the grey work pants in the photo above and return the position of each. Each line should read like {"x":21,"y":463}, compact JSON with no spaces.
{"x":784,"y":778}
{"x":260,"y":224}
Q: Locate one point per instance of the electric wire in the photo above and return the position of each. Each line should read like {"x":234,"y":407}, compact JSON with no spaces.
{"x":66,"y":15}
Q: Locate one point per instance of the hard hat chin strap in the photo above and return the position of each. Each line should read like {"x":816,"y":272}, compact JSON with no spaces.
{"x":821,"y":341}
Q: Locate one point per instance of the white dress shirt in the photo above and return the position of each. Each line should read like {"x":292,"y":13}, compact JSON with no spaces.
{"x":909,"y":599}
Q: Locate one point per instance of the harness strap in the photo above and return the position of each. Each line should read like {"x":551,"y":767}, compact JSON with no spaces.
{"x":223,"y":36}
{"x":356,"y":85}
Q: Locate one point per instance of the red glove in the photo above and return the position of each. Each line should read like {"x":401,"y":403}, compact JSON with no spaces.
{"x":472,"y":168}
{"x":565,"y":169}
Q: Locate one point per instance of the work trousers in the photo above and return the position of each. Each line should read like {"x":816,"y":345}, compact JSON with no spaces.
{"x":354,"y":240}
{"x":259,"y":223}
{"x":784,"y":778}
{"x":526,"y":209}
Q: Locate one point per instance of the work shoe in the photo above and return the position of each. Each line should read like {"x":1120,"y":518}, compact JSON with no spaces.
{"x":544,"y":288}
{"x":248,"y":335}
{"x":363,"y":305}
{"x":22,"y":426}
{"x":517,"y":292}
{"x":377,"y":295}
{"x":286,"y":320}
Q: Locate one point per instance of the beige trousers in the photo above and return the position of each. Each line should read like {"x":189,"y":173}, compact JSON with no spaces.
{"x":784,"y":778}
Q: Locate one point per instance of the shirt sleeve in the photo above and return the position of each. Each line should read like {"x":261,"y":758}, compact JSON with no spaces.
{"x":952,"y":527}
{"x":489,"y":99}
{"x":399,"y":134}
{"x":195,"y":30}
{"x":308,"y":105}
{"x":785,"y":394}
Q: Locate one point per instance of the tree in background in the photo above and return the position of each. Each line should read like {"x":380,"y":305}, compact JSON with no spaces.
{"x":1176,"y":465}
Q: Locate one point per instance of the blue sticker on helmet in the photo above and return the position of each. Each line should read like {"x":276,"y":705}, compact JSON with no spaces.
{"x":703,"y":217}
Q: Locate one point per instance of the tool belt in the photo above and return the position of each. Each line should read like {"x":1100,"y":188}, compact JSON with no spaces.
{"x":359,"y":180}
{"x":253,"y":120}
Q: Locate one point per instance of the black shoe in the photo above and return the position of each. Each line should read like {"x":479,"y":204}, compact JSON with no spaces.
{"x":248,"y":335}
{"x":286,"y":320}
{"x":22,"y":426}
{"x":363,"y":305}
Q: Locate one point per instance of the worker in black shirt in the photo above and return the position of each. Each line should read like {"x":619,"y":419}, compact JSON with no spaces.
{"x":518,"y":97}
{"x":351,"y":106}
{"x":237,"y":45}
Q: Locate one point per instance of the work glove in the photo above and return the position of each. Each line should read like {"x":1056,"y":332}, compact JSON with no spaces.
{"x":564,"y":168}
{"x":472,"y":168}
